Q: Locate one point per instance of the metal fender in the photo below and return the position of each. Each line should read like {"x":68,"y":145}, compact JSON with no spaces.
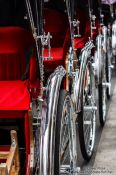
{"x":49,"y":122}
{"x":99,"y":59}
{"x":79,"y":75}
{"x":114,"y":37}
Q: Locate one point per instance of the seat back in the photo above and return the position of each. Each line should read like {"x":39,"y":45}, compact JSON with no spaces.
{"x":14,"y":44}
{"x":56,"y":23}
{"x":81,"y":16}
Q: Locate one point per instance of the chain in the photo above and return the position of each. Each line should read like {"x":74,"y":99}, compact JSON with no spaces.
{"x":35,"y":35}
{"x":45,"y":41}
{"x":38,"y":107}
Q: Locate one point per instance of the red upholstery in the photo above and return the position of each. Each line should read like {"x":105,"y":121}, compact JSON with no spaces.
{"x":57,"y":24}
{"x":14,"y":94}
{"x":14,"y":40}
{"x":84,"y":30}
{"x":57,"y":58}
{"x":80,"y":42}
{"x":12,"y":66}
{"x":82,"y":17}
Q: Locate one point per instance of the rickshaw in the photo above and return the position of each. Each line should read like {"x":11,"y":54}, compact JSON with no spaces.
{"x":79,"y":81}
{"x":114,"y":37}
{"x":82,"y":23}
{"x":60,"y":154}
{"x":35,"y":98}
{"x":24,"y":101}
{"x":47,"y":88}
{"x":58,"y":144}
{"x":20,"y":79}
{"x":112,"y":6}
{"x":103,"y":57}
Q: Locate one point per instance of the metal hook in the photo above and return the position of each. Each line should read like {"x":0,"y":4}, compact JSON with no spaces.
{"x":76,"y":23}
{"x":45,"y":41}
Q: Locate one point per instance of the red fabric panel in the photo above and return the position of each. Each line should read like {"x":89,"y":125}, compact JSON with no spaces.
{"x":12,"y":114}
{"x":14,"y":95}
{"x":57,"y":55}
{"x":56,"y":23}
{"x":81,"y":16}
{"x":84,"y":30}
{"x":33,"y":70}
{"x":67,"y":43}
{"x":14,"y":42}
{"x":4,"y":148}
{"x":12,"y":66}
{"x":87,"y":30}
{"x":80,"y":42}
{"x":28,"y":171}
{"x":14,"y":39}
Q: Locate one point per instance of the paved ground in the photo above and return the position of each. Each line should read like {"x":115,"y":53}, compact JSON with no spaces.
{"x":103,"y":161}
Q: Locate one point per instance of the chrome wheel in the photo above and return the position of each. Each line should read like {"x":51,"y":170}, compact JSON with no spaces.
{"x":65,"y":145}
{"x":87,"y":115}
{"x":102,"y":97}
{"x":109,"y":67}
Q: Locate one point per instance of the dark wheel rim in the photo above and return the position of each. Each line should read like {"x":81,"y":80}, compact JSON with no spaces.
{"x":66,"y":147}
{"x":89,"y":116}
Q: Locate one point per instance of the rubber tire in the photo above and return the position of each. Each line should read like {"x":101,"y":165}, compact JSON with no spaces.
{"x":62,"y":97}
{"x":107,"y":77}
{"x":81,"y":133}
{"x":100,"y":95}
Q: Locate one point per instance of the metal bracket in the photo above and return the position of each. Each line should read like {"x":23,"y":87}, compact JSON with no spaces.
{"x":102,"y":19}
{"x":76,"y":24}
{"x":45,"y":41}
{"x":93,"y":18}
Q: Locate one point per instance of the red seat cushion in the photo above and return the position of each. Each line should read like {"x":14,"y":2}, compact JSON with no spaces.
{"x":14,"y":95}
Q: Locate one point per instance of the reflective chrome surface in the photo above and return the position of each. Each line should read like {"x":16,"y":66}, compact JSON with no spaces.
{"x":104,"y":43}
{"x":78,"y":77}
{"x":114,"y":37}
{"x":48,"y":123}
{"x":99,"y":58}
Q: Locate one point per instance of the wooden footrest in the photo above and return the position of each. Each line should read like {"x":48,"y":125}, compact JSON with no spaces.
{"x":11,"y":158}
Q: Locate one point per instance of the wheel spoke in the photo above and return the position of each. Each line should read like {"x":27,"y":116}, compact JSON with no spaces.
{"x":87,"y":127}
{"x":66,"y":160}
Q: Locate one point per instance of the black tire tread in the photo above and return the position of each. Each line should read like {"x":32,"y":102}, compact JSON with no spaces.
{"x":62,"y":96}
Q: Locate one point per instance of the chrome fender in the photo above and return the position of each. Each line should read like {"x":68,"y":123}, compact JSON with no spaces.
{"x":104,"y":43}
{"x":98,"y":59}
{"x":114,"y":37}
{"x":79,"y":75}
{"x":49,"y":121}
